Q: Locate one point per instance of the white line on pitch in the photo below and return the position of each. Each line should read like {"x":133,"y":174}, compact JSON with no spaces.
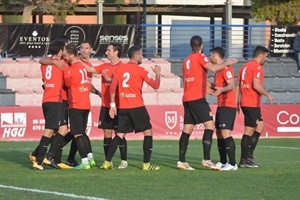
{"x":50,"y":192}
{"x":279,"y":147}
{"x":158,"y":146}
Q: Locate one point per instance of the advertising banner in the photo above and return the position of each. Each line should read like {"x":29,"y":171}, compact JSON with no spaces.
{"x":3,"y":39}
{"x":28,"y":40}
{"x":34,"y":39}
{"x":282,"y":40}
{"x":27,"y":123}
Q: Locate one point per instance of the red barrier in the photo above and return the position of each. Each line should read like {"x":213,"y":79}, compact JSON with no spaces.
{"x":27,"y":123}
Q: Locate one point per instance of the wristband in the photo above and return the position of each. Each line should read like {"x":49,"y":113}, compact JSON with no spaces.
{"x":113,"y":105}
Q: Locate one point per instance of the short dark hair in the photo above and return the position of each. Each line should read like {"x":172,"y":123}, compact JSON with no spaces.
{"x":63,"y":38}
{"x":72,"y":49}
{"x":55,"y":46}
{"x":132,"y":50}
{"x":219,"y":50}
{"x":117,"y":47}
{"x":196,"y":42}
{"x":87,"y":41}
{"x":259,"y":50}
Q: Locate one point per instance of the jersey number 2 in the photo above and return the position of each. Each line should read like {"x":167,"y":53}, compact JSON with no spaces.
{"x":126,"y":77}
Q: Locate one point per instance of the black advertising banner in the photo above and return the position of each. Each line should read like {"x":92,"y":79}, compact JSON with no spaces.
{"x":282,"y":40}
{"x":100,"y":36}
{"x":34,"y":39}
{"x":126,"y":35}
{"x":76,"y":33}
{"x":28,"y":39}
{"x":3,"y":38}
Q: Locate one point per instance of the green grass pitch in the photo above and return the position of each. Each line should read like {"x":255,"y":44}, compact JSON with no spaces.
{"x":277,"y":178}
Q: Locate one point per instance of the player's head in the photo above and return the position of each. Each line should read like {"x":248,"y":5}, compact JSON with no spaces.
{"x":64,"y":38}
{"x":260,"y":54}
{"x":57,"y":47}
{"x":70,"y":53}
{"x":135,"y":53}
{"x":216,"y":54}
{"x":113,"y":50}
{"x":196,"y":43}
{"x":85,"y":49}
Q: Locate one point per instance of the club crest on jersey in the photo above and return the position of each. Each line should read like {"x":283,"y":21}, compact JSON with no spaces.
{"x":171,"y":119}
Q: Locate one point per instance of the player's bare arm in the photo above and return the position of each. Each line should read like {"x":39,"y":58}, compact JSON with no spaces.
{"x":112,"y":92}
{"x":237,"y":95}
{"x":217,"y":67}
{"x":210,"y":88}
{"x":95,"y":91}
{"x":157,"y":69}
{"x":150,"y":81}
{"x":227,"y":88}
{"x":106,"y":77}
{"x":260,"y":89}
{"x":47,"y":61}
{"x":89,"y":68}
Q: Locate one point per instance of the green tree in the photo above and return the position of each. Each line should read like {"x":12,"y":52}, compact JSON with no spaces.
{"x":10,"y":19}
{"x":277,"y":11}
{"x":114,"y":19}
{"x":58,"y":8}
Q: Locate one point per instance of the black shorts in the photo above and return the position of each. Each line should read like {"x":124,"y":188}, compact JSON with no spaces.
{"x":52,"y":114}
{"x":133,"y":119}
{"x":105,"y":121}
{"x":65,"y":113}
{"x":197,"y":111}
{"x":78,"y":120}
{"x":225,"y":117}
{"x":252,"y":116}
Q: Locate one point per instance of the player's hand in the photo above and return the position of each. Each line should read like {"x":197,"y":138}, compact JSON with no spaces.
{"x":210,"y":91}
{"x":156,"y":69}
{"x":113,"y":112}
{"x":231,"y":61}
{"x":218,"y":90}
{"x":238,"y":109}
{"x":106,"y":77}
{"x":59,"y":64}
{"x":270,"y":98}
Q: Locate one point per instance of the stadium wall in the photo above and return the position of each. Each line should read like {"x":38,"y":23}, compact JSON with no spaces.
{"x":27,"y":123}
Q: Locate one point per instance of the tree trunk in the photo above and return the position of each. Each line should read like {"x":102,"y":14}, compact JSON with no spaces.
{"x":27,"y":13}
{"x":60,"y":19}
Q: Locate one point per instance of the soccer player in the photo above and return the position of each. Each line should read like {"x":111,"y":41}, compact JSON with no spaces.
{"x":132,"y":113}
{"x":249,"y":88}
{"x":52,"y":109}
{"x":76,"y":80}
{"x":109,"y":125}
{"x":226,"y":111}
{"x":64,"y":121}
{"x":85,"y":51}
{"x":196,"y":108}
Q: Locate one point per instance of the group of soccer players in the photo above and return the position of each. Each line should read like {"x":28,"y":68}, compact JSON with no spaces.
{"x":244,"y":94}
{"x":67,"y":85}
{"x":66,"y":98}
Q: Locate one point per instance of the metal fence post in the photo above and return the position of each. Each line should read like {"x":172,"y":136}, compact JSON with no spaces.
{"x":229,"y":27}
{"x":100,"y":11}
{"x":145,"y":28}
